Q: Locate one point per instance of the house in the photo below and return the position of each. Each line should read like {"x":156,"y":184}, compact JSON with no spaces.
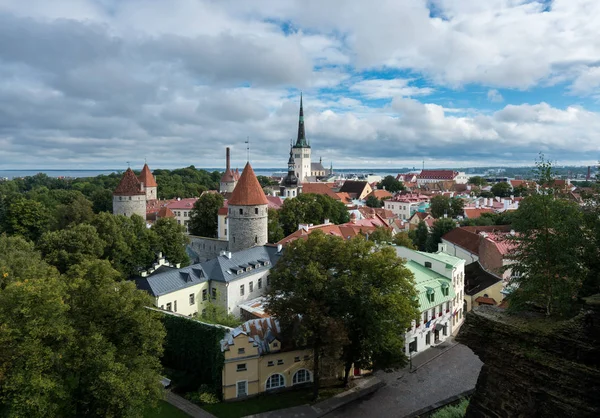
{"x":345,"y":198}
{"x":481,"y":286}
{"x":405,"y":205}
{"x":380,"y":194}
{"x":182,"y":209}
{"x":348,"y":230}
{"x":474,"y":213}
{"x":439,"y":281}
{"x":490,"y":245}
{"x":228,"y":280}
{"x":434,"y":176}
{"x":356,"y":189}
{"x":421,"y":216}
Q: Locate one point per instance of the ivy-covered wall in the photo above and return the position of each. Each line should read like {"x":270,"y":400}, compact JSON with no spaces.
{"x":193,"y":348}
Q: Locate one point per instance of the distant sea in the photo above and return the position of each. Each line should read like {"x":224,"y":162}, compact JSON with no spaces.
{"x":10,"y":174}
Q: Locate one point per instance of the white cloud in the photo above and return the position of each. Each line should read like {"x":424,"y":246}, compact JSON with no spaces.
{"x":382,"y":89}
{"x":494,"y":96}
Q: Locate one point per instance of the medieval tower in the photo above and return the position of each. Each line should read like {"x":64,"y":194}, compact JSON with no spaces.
{"x":247,"y":209}
{"x":148,"y":183}
{"x":229,"y":179}
{"x":290,"y":186}
{"x":302,"y":150}
{"x":129,"y":197}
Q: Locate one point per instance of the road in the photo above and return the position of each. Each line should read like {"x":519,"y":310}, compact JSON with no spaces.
{"x":453,"y":372}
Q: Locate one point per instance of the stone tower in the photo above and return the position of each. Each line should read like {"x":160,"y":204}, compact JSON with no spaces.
{"x":129,"y":197}
{"x":290,"y":187}
{"x":148,"y":183}
{"x":247,"y":213}
{"x":229,"y":179}
{"x":302,"y":150}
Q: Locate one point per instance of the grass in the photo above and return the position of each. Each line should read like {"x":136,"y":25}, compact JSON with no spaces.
{"x":271,"y":402}
{"x":452,"y":411}
{"x":165,"y":410}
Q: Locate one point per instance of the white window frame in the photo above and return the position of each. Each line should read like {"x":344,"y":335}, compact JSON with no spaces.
{"x":237,"y":392}
{"x":295,"y":380}
{"x":276,"y":387}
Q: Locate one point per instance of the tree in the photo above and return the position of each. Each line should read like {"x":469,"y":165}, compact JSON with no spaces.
{"x":457,"y":206}
{"x":265,"y":181}
{"x":392,"y":185}
{"x":487,"y":194}
{"x":71,"y":246}
{"x":275,"y":231}
{"x":24,"y":217}
{"x":215,"y":313}
{"x":204,"y":215}
{"x":171,"y":240}
{"x":440,"y":228}
{"x":311,"y":208}
{"x":440,"y":206}
{"x":521,"y":191}
{"x":477,"y":181}
{"x":75,"y":210}
{"x":421,"y":236}
{"x":373,"y":202}
{"x":501,"y":189}
{"x":380,"y":235}
{"x":548,"y":249}
{"x":403,"y":239}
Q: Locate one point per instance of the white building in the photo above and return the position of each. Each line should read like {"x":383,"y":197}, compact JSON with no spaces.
{"x":182,"y":208}
{"x":439,"y":279}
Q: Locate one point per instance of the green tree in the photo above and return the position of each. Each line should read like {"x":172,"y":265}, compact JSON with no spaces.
{"x":215,"y":313}
{"x":440,"y":228}
{"x":421,"y":236}
{"x":502,"y":189}
{"x":75,"y":210}
{"x":265,"y":181}
{"x":311,"y":208}
{"x":204,"y":215}
{"x":544,"y":273}
{"x":403,"y":239}
{"x":373,"y":202}
{"x":24,"y":217}
{"x":485,"y":193}
{"x":171,"y":240}
{"x":457,"y":206}
{"x":439,"y":206}
{"x":380,"y":235}
{"x":521,"y":191}
{"x":477,"y":181}
{"x":275,"y":231}
{"x":71,"y":246}
{"x":392,"y":185}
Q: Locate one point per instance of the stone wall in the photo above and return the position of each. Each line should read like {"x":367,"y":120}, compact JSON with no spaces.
{"x":248,"y":228}
{"x":207,"y":248}
{"x":533,"y":366}
{"x":128,"y":205}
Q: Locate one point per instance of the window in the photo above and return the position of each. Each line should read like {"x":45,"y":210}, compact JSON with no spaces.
{"x":192,"y":299}
{"x":255,"y":239}
{"x":214,"y":292}
{"x":251,"y":287}
{"x":425,"y":317}
{"x":175,"y":306}
{"x":256,"y":211}
{"x":279,"y":362}
{"x":275,"y":344}
{"x":301,"y":376}
{"x":441,"y":308}
{"x":169,"y":308}
{"x":241,"y":211}
{"x":242,"y":290}
{"x":447,"y":306}
{"x":241,"y":350}
{"x":178,"y":213}
{"x":241,"y":367}
{"x":267,"y":281}
{"x":260,"y":283}
{"x":275,"y":381}
{"x":296,"y":359}
{"x":162,"y":306}
{"x":204,"y":294}
{"x":427,"y":264}
{"x":413,"y":345}
{"x":270,"y":363}
{"x":242,"y":388}
{"x":428,"y":338}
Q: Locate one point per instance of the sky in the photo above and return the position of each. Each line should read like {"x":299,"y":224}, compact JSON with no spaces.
{"x":96,"y":84}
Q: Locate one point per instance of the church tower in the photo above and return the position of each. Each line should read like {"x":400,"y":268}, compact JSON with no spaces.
{"x":148,"y":183}
{"x":247,"y":209}
{"x":290,"y":187}
{"x":302,"y":150}
{"x":129,"y":197}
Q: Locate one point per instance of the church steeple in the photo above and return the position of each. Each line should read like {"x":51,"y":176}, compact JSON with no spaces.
{"x":301,"y":141}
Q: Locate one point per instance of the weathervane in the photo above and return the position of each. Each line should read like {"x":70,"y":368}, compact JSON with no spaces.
{"x":128,"y":164}
{"x":247,"y":142}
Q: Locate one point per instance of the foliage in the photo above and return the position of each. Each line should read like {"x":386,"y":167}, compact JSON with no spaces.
{"x":486,"y":219}
{"x":477,"y":181}
{"x":544,"y":273}
{"x":380,"y":235}
{"x":194,"y":348}
{"x":502,"y":189}
{"x":440,"y":228}
{"x":347,"y":293}
{"x":487,"y":194}
{"x":204,"y":215}
{"x":171,"y":240}
{"x":311,"y":208}
{"x":75,"y":345}
{"x":215,"y":313}
{"x":275,"y":231}
{"x":373,"y":202}
{"x":403,"y":239}
{"x":164,"y":410}
{"x":421,"y":236}
{"x":392,"y":185}
{"x":185,"y":182}
{"x":441,"y":205}
{"x":521,"y":191}
{"x":266,"y":181}
{"x":24,"y":217}
{"x":452,"y":411}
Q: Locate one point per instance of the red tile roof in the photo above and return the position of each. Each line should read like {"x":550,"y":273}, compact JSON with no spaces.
{"x":485,"y":301}
{"x":228,"y":176}
{"x":275,"y":202}
{"x":187,"y":203}
{"x":248,"y":192}
{"x":165,"y":212}
{"x":347,"y":230}
{"x":345,"y":197}
{"x":380,"y":194}
{"x":129,"y":185}
{"x":438,"y":174}
{"x":468,"y":237}
{"x":473,"y":213}
{"x":319,"y":188}
{"x":147,"y":178}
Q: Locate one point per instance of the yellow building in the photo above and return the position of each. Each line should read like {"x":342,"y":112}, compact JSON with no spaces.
{"x":256,"y":361}
{"x":481,"y":287}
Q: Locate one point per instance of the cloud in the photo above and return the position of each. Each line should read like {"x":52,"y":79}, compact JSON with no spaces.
{"x":494,"y":96}
{"x":383,"y":89}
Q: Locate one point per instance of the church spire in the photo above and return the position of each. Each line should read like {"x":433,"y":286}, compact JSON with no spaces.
{"x":301,"y":141}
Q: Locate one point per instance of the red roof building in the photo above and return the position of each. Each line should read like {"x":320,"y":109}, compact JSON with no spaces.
{"x":319,"y":188}
{"x":248,"y":191}
{"x":146,"y":177}
{"x":129,"y":185}
{"x":437,"y":175}
{"x":346,"y":231}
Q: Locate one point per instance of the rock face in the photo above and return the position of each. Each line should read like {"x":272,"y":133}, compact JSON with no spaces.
{"x":533,"y":366}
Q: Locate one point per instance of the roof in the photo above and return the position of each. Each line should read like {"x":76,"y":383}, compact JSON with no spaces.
{"x":368,"y":212}
{"x":187,"y":203}
{"x":275,"y":202}
{"x":261,"y":332}
{"x":380,"y":194}
{"x":129,"y":185}
{"x":228,"y":176}
{"x":347,"y":230}
{"x":421,"y":216}
{"x":438,"y":174}
{"x":256,"y":307}
{"x":345,"y":197}
{"x":317,"y":167}
{"x":478,"y":279}
{"x":426,"y":280}
{"x":319,"y":188}
{"x":468,"y":237}
{"x":443,"y":257}
{"x":248,"y":191}
{"x":165,"y":212}
{"x":473,"y":213}
{"x":147,"y":178}
{"x":486,"y":301}
{"x":353,"y":186}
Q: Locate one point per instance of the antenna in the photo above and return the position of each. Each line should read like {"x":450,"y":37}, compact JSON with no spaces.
{"x":128,"y":164}
{"x":247,"y":142}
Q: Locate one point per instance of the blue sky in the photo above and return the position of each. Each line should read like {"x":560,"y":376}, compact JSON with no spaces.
{"x":97,"y":83}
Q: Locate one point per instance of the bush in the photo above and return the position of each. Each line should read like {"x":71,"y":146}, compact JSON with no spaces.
{"x":452,"y":411}
{"x":204,"y":396}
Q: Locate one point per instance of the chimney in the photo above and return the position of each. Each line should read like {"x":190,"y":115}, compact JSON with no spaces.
{"x":228,"y":254}
{"x":326,"y":221}
{"x":477,"y":204}
{"x":505,"y":203}
{"x":227,"y":156}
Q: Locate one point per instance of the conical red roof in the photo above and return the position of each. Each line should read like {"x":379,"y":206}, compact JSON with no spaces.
{"x":228,"y":176}
{"x":147,"y":178}
{"x":248,"y":192}
{"x":129,"y":185}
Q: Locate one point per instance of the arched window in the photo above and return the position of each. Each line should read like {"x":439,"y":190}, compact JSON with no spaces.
{"x":301,"y":376}
{"x":275,"y":381}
